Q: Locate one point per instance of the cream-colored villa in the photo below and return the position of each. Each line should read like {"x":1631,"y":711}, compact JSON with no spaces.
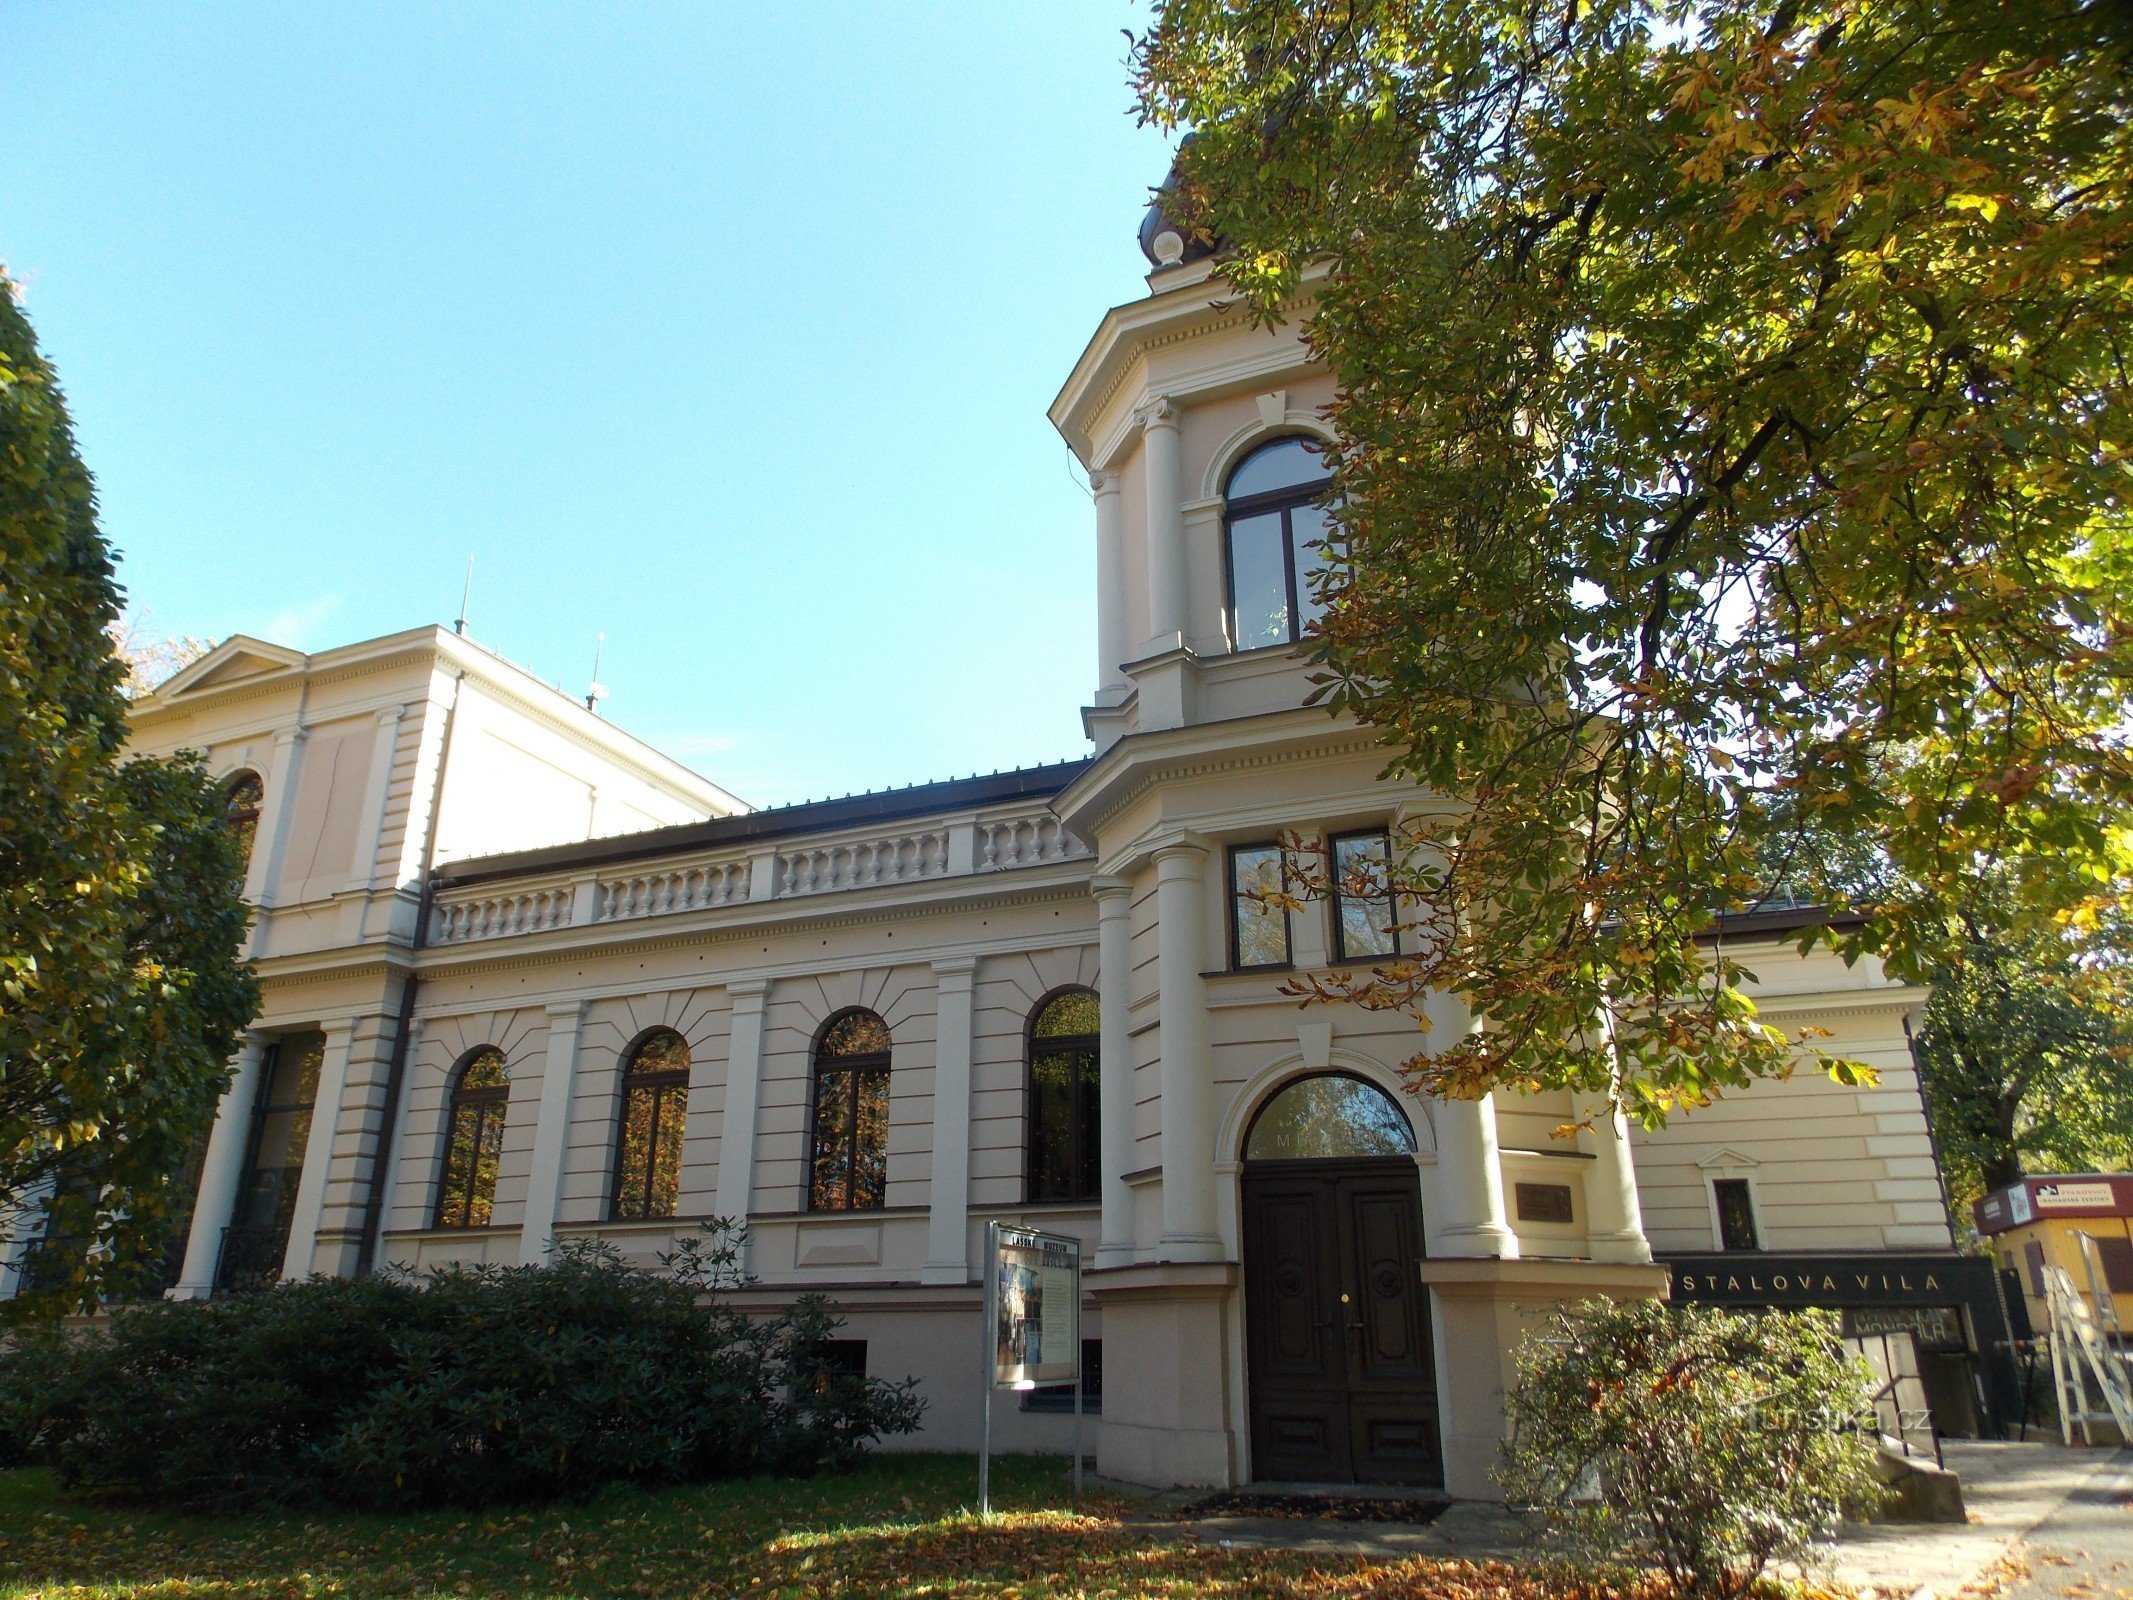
{"x":527,"y":980}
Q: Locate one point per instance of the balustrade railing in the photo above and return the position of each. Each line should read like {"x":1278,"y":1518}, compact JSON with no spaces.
{"x":915,"y":855}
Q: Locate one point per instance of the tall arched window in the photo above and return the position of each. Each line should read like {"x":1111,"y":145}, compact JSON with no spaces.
{"x":655,"y":1097}
{"x":242,"y":798}
{"x":474,"y":1140}
{"x":850,"y":1166}
{"x":1062,"y":1097}
{"x":1276,"y":519}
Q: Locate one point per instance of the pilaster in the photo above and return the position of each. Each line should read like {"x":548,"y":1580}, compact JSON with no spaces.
{"x":1189,"y":1232}
{"x":551,"y":1132}
{"x":744,"y":1077}
{"x":948,"y":1225}
{"x":377,"y":789}
{"x":1112,"y":685}
{"x":1114,"y":1094}
{"x":1163,"y":464}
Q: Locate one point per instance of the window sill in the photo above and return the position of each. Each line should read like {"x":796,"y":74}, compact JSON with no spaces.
{"x":1272,"y":970}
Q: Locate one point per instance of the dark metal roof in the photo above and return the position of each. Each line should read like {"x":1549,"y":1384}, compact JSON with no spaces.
{"x":1771,"y":921}
{"x":777,"y":822}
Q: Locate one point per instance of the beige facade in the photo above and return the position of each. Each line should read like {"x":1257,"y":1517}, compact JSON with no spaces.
{"x":583,"y":892}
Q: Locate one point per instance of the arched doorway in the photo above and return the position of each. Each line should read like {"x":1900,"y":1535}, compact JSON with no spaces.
{"x":1337,"y":1338}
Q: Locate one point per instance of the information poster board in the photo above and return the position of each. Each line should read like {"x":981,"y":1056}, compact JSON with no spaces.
{"x":1036,"y":1295}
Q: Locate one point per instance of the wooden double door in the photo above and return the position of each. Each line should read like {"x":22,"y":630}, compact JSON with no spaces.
{"x":1337,"y":1336}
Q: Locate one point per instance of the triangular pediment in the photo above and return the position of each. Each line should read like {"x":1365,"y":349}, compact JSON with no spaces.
{"x":235,"y":659}
{"x":1728,"y":1157}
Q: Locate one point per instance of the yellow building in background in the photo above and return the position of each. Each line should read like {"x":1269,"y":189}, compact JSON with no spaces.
{"x":2039,"y":1222}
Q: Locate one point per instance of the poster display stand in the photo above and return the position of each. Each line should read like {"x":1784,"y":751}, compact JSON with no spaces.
{"x":1032,"y":1328}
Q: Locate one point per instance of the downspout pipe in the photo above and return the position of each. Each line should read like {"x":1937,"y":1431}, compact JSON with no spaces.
{"x":396,"y":1069}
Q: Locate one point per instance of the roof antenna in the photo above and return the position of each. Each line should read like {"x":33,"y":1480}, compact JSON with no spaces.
{"x":596,"y":691}
{"x":465,"y":593}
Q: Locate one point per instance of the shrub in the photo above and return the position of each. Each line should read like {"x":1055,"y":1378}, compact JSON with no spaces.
{"x":1705,"y":1443}
{"x":474,"y":1386}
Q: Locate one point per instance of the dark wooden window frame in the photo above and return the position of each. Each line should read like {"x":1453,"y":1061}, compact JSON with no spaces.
{"x":493,"y":1100}
{"x":667,"y":1085}
{"x":1076,"y":1045}
{"x":1231,"y":892}
{"x":243,"y":818}
{"x":855,"y":1066}
{"x":1340,"y":897}
{"x":1755,"y":1218}
{"x":1286,"y":501}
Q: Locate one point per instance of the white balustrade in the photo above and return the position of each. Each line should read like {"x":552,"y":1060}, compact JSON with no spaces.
{"x":651,"y":894}
{"x":863,"y":863}
{"x":1030,"y":841}
{"x":1000,"y":843}
{"x":494,"y":916}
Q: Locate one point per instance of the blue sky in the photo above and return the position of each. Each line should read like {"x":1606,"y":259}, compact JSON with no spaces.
{"x":727,"y":332}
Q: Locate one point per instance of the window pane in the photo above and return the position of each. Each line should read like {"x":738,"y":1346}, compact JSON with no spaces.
{"x":830,"y":1186}
{"x":1327,"y":1118}
{"x":485,"y":1071}
{"x":1089,"y":1175}
{"x":856,"y":1033}
{"x":1307,"y":532}
{"x":672,"y":1120}
{"x":660,"y":1052}
{"x":870,"y":1153}
{"x":1067,"y":1016}
{"x":1283,"y":464}
{"x":1362,"y":895}
{"x":1262,"y":929}
{"x":634,"y":1157}
{"x":1736,"y":1215}
{"x":292,"y":1074}
{"x":1051,"y":1109}
{"x":473,"y":1150}
{"x":1259,"y":582}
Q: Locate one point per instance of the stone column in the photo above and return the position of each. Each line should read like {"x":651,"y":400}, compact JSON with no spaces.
{"x":1472,"y":1221}
{"x":1114,"y":1094}
{"x":948,"y":1226}
{"x":551,"y":1133}
{"x":384,"y":746}
{"x":310,"y":1204}
{"x":220,"y":1173}
{"x":744,"y":1076}
{"x":277,"y":807}
{"x":1163,"y":463}
{"x":1189,"y":1232}
{"x":1111,"y":681}
{"x":1614,"y":1217}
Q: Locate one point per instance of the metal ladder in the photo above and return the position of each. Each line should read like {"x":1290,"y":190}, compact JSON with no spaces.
{"x":2081,"y":1351}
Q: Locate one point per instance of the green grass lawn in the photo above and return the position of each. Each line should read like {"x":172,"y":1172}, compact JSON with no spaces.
{"x":900,"y":1525}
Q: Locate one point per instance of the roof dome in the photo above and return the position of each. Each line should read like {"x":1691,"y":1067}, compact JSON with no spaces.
{"x":1167,"y":238}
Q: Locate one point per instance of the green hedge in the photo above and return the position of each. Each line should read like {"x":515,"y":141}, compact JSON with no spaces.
{"x":471,"y":1387}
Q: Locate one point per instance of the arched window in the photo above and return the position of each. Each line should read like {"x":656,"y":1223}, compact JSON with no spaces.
{"x":474,"y":1140}
{"x":1062,"y":1098}
{"x":850,"y":1166}
{"x":1329,"y":1117}
{"x":1276,"y":519}
{"x":655,"y":1096}
{"x":242,"y":798}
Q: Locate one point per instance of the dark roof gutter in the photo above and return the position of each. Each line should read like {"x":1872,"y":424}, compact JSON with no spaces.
{"x":815,"y":816}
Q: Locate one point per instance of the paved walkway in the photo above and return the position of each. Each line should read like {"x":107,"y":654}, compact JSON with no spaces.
{"x":2009,"y":1489}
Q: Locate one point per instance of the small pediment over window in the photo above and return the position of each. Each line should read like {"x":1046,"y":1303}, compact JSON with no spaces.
{"x":1721,"y":1160}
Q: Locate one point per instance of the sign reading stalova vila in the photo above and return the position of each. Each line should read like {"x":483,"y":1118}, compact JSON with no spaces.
{"x":1878,"y":1280}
